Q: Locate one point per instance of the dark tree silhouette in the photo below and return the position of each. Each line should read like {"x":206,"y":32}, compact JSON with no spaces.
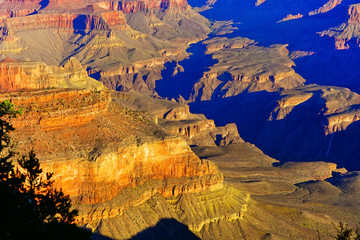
{"x":29,"y":207}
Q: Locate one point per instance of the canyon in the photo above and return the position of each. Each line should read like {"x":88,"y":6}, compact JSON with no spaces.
{"x":162,"y":124}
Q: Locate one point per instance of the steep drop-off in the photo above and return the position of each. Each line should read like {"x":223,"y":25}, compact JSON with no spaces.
{"x":257,"y":88}
{"x":96,"y":147}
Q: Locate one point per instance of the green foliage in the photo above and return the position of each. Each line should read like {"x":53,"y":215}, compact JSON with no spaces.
{"x":29,"y":207}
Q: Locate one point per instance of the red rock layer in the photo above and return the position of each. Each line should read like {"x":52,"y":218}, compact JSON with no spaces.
{"x":65,"y":22}
{"x":14,"y":76}
{"x":57,"y":109}
{"x":135,"y":6}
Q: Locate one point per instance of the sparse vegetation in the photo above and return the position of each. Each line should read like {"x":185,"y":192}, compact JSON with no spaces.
{"x":346,"y":233}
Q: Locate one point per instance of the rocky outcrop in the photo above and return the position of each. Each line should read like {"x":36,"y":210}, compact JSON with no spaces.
{"x":16,"y":75}
{"x":259,"y":2}
{"x":65,"y":22}
{"x":347,"y":34}
{"x":299,"y":54}
{"x":136,"y":6}
{"x":176,"y":119}
{"x":219,"y":43}
{"x":97,"y":148}
{"x":326,"y":7}
{"x":310,"y":122}
{"x":287,"y":103}
{"x":121,"y":43}
{"x":104,"y":177}
{"x":56,"y":109}
{"x":252,"y":68}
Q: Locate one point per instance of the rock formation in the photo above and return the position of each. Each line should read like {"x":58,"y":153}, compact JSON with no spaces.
{"x":243,"y":67}
{"x":77,"y":135}
{"x":16,"y":75}
{"x":291,"y":17}
{"x":123,"y":44}
{"x":176,"y":119}
{"x":259,"y":2}
{"x":346,"y":34}
{"x":260,"y":83}
{"x":299,"y":54}
{"x":326,"y":7}
{"x":309,"y":122}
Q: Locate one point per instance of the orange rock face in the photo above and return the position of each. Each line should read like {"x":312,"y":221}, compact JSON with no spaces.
{"x":16,"y":8}
{"x":101,"y":179}
{"x":57,"y":109}
{"x":97,"y":148}
{"x":354,"y":13}
{"x":65,"y":22}
{"x":15,"y":75}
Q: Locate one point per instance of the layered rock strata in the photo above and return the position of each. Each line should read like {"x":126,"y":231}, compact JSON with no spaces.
{"x":245,"y":67}
{"x":307,"y":123}
{"x":251,"y":78}
{"x":123,"y":44}
{"x":176,"y":119}
{"x":16,"y":75}
{"x":97,"y":148}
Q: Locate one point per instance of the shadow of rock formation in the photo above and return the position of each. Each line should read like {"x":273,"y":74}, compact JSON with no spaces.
{"x":167,"y":228}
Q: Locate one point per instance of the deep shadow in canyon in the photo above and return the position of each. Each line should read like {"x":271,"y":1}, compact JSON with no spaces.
{"x":187,"y":74}
{"x":166,"y":228}
{"x":300,"y":136}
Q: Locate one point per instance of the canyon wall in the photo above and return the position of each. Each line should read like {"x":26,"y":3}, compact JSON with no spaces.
{"x":124,"y":44}
{"x":245,"y":67}
{"x":68,"y":129}
{"x":16,"y":75}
